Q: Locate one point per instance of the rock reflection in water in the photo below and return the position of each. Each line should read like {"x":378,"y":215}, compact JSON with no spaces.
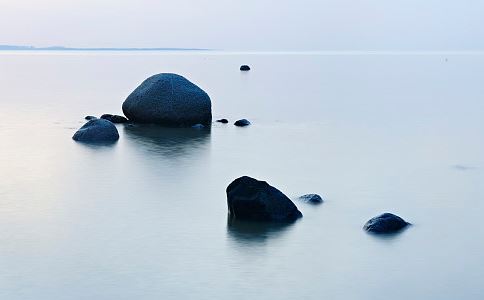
{"x":255,"y":232}
{"x":171,"y":142}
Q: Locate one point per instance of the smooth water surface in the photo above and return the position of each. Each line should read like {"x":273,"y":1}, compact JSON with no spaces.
{"x":146,"y":218}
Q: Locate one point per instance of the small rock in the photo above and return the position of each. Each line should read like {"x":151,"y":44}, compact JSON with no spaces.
{"x":385,"y":223}
{"x":244,"y":68}
{"x":114,"y":118}
{"x":224,"y":121}
{"x":251,"y":199}
{"x":90,"y":118}
{"x":312,"y":198}
{"x":97,"y":131}
{"x":242,"y":123}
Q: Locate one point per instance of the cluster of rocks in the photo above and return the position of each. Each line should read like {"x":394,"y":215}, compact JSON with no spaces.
{"x":254,"y":200}
{"x":239,"y":123}
{"x":166,"y":99}
{"x":172,"y":100}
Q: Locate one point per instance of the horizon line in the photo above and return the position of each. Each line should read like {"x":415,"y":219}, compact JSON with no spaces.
{"x":19,"y":48}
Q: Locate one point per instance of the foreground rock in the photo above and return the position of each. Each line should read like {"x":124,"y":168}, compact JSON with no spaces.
{"x":170,"y":100}
{"x":224,"y":121}
{"x":242,"y":123}
{"x":385,"y":223}
{"x":312,"y":198}
{"x":244,"y":68}
{"x":251,"y":199}
{"x":114,"y":118}
{"x":90,"y":117}
{"x":97,"y":131}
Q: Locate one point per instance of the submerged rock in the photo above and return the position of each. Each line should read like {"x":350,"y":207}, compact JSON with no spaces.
{"x":97,"y":131}
{"x":170,"y":100}
{"x":198,"y":126}
{"x":90,"y":118}
{"x":224,"y":121}
{"x":244,"y":68}
{"x":312,"y":198}
{"x":242,"y":123}
{"x":385,"y":223}
{"x":114,"y":118}
{"x":251,"y":199}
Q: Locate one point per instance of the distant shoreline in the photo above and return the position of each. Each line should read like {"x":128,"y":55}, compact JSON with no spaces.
{"x":60,"y":48}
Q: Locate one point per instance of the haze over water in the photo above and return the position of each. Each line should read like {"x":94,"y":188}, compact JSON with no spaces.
{"x":146,"y":218}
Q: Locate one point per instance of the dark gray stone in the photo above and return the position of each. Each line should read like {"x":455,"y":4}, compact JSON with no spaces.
{"x":97,"y":131}
{"x":244,"y":68}
{"x":312,"y":198}
{"x":170,"y":100}
{"x":251,"y":199}
{"x":224,"y":121}
{"x":114,"y":118}
{"x":242,"y":123}
{"x":90,"y":117}
{"x":385,"y":223}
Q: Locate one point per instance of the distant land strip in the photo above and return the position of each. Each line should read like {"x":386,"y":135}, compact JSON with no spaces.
{"x":60,"y":48}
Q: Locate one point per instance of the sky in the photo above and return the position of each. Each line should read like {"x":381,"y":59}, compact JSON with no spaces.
{"x":304,"y":25}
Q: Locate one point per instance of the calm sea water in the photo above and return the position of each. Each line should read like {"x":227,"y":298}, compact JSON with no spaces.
{"x":146,"y":218}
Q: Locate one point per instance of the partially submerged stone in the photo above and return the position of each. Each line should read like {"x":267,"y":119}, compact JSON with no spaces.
{"x":242,"y":123}
{"x":170,"y":100}
{"x":97,"y":131}
{"x":385,"y":223}
{"x":114,"y":118}
{"x":251,"y":199}
{"x":311,"y":198}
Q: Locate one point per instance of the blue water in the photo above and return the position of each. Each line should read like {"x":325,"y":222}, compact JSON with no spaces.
{"x":146,"y":218}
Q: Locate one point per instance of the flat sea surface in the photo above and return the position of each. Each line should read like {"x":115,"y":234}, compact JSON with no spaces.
{"x":146,"y":218}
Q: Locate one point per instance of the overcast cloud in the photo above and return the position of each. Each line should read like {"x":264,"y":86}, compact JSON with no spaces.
{"x":246,"y":24}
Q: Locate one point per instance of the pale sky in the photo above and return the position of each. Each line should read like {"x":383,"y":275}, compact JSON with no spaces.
{"x":398,"y":25}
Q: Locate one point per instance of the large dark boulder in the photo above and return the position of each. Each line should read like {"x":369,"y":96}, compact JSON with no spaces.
{"x":251,"y":199}
{"x":114,"y":118}
{"x":385,"y":223}
{"x":170,"y":100}
{"x":97,"y":131}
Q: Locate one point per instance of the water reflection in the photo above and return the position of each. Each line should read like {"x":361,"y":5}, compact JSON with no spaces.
{"x":247,"y":232}
{"x":170,"y":142}
{"x":97,"y":145}
{"x":389,"y":236}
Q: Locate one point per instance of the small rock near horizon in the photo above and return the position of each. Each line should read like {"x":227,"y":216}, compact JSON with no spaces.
{"x":244,"y":68}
